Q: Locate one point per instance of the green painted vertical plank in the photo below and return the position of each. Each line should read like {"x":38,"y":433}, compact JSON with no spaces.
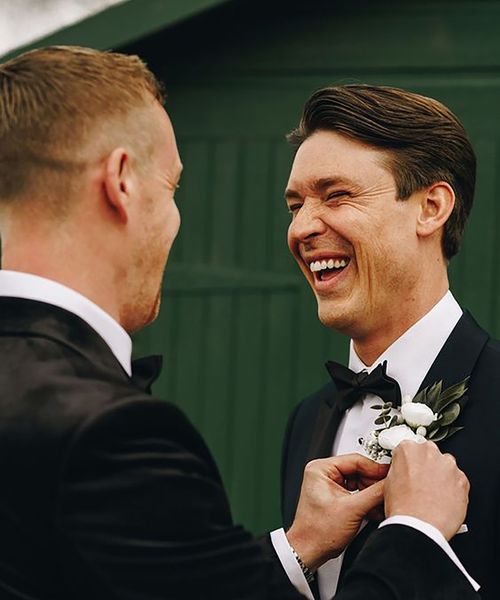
{"x":495,"y":319}
{"x":246,"y":470}
{"x":163,"y":336}
{"x":194,"y":199}
{"x":254,"y":209}
{"x":189,"y":359}
{"x":479,"y":258}
{"x":335,"y":347}
{"x":169,"y":333}
{"x":279,"y":369}
{"x":226,"y":201}
{"x":218,"y":397}
{"x":280,"y":257}
{"x":310,"y":345}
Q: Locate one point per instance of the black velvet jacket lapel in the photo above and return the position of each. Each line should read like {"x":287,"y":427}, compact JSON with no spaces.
{"x":19,"y":317}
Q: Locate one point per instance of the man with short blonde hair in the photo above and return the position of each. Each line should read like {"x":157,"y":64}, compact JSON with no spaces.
{"x":60,"y":112}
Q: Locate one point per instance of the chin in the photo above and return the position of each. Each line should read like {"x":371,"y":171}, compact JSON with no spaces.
{"x":335,"y":317}
{"x":140,"y":313}
{"x":155,"y":309}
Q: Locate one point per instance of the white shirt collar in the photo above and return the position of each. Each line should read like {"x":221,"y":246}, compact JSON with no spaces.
{"x":32,"y":287}
{"x":410,"y":357}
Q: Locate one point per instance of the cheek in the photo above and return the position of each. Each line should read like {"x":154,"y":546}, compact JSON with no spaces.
{"x":290,"y":238}
{"x":175,"y":224}
{"x":294,"y":243}
{"x":171,"y":221}
{"x":177,"y":220}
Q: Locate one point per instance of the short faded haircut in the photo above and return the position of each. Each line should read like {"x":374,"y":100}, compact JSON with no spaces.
{"x":51,"y":102}
{"x":423,"y":140}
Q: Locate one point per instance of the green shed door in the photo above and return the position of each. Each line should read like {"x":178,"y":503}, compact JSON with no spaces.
{"x":238,"y":327}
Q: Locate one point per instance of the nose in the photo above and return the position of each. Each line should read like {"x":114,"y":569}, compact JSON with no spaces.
{"x":306,"y":224}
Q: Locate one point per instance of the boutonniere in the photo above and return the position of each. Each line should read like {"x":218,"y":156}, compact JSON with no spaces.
{"x":429,"y":415}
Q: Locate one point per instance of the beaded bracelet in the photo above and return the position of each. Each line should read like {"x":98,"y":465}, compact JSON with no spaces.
{"x":308,"y":574}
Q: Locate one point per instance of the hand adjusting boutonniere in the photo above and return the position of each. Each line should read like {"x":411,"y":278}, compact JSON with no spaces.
{"x":430,"y":415}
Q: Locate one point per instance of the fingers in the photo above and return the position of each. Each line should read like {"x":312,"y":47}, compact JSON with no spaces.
{"x":450,"y":458}
{"x":409,"y":447}
{"x":368,"y":499}
{"x":341,"y":467}
{"x":440,"y":499}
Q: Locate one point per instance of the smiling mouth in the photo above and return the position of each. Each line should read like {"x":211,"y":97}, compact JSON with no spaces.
{"x":323,"y":270}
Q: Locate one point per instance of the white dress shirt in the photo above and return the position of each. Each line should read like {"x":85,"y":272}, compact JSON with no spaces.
{"x":32,"y":287}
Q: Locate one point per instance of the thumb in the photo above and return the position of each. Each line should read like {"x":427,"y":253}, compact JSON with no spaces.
{"x":364,"y":501}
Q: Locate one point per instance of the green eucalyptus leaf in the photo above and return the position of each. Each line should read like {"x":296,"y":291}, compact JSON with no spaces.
{"x":450,"y":414}
{"x":439,"y":435}
{"x":451,"y":394}
{"x":381,"y":420}
{"x":433,"y":394}
{"x":393,"y":421}
{"x":454,"y":430}
{"x":433,"y":427}
{"x":420,"y":397}
{"x":377,"y":407}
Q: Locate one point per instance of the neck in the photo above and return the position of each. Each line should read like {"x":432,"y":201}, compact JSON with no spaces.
{"x":70,"y":263}
{"x":374,"y":343}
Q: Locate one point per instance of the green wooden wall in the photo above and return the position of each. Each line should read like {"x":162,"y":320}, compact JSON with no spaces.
{"x":238,"y":328}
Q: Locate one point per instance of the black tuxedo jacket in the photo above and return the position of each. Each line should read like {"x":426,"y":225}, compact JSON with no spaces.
{"x":468,"y":351}
{"x":107,"y":493}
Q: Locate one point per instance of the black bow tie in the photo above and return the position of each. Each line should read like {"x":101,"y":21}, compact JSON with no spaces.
{"x":146,"y":370}
{"x":351,"y":386}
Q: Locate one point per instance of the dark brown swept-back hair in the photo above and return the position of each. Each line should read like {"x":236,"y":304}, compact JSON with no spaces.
{"x":424,"y":140}
{"x":52,"y":99}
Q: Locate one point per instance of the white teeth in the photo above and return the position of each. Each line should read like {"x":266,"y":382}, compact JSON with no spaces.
{"x":321,"y":265}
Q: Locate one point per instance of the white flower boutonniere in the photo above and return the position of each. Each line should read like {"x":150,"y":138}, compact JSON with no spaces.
{"x":430,"y":415}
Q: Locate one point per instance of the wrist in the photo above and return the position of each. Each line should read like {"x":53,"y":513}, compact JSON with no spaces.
{"x":308,"y":556}
{"x":306,"y":571}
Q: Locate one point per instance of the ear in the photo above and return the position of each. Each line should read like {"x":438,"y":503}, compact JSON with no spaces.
{"x":118,"y":183}
{"x":436,"y":205}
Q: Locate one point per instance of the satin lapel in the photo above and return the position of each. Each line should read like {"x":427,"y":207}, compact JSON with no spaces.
{"x":326,"y":425}
{"x":459,"y":355}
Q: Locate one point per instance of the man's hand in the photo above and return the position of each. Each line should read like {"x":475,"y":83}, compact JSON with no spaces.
{"x":428,"y":485}
{"x":328,"y":515}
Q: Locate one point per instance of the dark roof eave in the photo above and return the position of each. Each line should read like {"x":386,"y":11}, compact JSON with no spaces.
{"x":122,"y":24}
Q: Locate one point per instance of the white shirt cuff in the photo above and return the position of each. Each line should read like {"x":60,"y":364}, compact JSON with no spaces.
{"x":289,"y":563}
{"x":435,"y":535}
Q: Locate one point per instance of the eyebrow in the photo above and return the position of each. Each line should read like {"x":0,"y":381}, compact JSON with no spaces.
{"x":319,"y":185}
